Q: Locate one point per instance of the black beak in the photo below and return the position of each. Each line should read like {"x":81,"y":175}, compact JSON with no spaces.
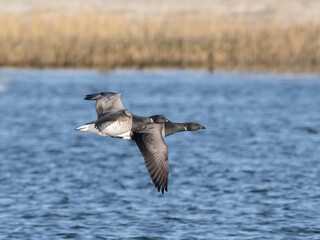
{"x":202,"y":127}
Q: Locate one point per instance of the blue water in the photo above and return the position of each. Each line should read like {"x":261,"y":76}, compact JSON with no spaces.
{"x":254,"y":173}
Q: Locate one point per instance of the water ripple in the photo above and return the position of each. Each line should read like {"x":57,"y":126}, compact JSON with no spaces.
{"x":253,"y":174}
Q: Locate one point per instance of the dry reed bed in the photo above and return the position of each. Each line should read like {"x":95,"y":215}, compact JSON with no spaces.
{"x":105,"y":40}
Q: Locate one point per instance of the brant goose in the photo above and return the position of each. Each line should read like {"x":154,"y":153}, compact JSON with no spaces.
{"x":113,"y":119}
{"x":148,"y":133}
{"x":149,"y":139}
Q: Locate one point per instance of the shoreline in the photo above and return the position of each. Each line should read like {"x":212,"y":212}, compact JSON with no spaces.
{"x":169,"y":69}
{"x":187,"y":41}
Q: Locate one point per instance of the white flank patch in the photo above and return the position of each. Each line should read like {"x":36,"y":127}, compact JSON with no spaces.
{"x":125,"y":136}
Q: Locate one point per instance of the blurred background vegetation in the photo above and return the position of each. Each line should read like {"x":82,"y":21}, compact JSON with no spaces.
{"x":229,"y":35}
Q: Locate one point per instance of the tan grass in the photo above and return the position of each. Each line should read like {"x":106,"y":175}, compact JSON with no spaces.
{"x":180,"y":40}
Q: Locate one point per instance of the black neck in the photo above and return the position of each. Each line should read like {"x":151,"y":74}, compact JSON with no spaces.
{"x":171,"y":128}
{"x":138,"y":121}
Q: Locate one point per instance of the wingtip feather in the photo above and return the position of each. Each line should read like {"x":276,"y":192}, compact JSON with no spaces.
{"x":93,"y":96}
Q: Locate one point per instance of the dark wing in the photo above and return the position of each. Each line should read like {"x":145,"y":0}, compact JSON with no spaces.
{"x":155,"y":153}
{"x":106,"y":102}
{"x":106,"y":118}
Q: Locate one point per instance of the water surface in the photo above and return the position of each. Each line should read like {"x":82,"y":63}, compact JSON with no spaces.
{"x":254,"y":173}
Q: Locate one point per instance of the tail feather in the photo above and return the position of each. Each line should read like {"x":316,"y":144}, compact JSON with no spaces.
{"x":83,"y":128}
{"x":89,"y":127}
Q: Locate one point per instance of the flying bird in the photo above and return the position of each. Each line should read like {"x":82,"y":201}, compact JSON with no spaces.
{"x":113,"y":119}
{"x":148,"y":132}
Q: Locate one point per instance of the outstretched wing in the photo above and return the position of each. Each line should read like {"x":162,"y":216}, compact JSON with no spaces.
{"x":106,"y":102}
{"x":155,"y":152}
